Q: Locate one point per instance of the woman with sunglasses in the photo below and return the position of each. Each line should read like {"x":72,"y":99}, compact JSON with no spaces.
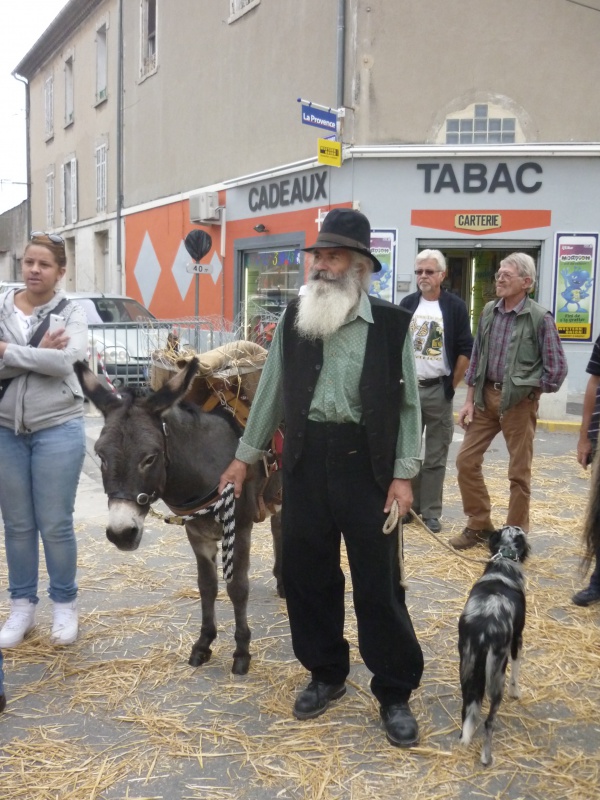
{"x":42,"y":439}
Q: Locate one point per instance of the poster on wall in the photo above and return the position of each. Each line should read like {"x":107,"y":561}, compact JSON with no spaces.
{"x":383,"y":247}
{"x":574,"y":282}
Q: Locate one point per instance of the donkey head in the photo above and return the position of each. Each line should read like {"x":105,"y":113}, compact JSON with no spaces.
{"x":131,"y":448}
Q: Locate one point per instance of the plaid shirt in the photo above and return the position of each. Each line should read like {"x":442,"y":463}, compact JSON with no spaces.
{"x":553,"y":356}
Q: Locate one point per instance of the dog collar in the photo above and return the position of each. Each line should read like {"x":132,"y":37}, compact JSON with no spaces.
{"x":505,"y":552}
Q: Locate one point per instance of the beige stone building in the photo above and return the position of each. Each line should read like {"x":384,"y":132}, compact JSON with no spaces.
{"x":148,"y":117}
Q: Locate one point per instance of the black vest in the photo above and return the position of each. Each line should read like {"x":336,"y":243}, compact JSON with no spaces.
{"x":380,"y":385}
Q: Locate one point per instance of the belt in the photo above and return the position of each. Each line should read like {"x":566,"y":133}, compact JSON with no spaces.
{"x":495,"y":385}
{"x":430,"y":381}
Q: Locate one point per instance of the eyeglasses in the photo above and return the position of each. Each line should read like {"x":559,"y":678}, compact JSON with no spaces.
{"x":54,"y":237}
{"x":427,"y":272}
{"x":505,"y":276}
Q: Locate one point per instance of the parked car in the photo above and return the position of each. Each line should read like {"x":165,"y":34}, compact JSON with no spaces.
{"x":123,"y":334}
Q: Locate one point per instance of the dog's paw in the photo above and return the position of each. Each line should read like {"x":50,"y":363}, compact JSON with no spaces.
{"x":514,"y":692}
{"x":486,"y":760}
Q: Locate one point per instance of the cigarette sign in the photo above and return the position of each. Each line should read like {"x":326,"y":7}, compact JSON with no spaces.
{"x":330,"y":152}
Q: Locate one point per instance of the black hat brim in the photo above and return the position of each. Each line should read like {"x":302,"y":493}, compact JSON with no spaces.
{"x":323,"y":241}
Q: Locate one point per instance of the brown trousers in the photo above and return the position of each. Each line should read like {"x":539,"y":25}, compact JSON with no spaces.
{"x":518,"y":428}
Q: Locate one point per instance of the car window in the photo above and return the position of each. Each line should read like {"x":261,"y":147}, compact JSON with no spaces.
{"x":135,"y":312}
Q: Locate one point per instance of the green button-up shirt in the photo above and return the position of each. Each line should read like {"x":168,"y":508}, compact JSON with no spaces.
{"x":336,"y":397}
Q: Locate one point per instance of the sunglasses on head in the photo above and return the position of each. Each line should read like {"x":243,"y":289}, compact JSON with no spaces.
{"x":54,"y":237}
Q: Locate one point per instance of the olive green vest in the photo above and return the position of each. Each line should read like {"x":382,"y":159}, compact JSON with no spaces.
{"x":524,"y":365}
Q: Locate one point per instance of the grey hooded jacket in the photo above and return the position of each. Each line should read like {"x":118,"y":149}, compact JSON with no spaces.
{"x":45,"y":390}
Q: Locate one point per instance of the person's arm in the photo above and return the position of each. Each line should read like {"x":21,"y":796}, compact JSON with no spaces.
{"x":265,"y":415}
{"x":460,"y":368}
{"x":408,"y":443}
{"x":553,"y":356}
{"x":584,"y":445}
{"x":56,"y":353}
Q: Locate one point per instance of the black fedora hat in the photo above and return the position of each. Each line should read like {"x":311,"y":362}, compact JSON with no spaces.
{"x":344,"y":227}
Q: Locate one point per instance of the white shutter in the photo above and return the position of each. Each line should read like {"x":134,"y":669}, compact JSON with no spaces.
{"x":63,"y":186}
{"x":73,"y":190}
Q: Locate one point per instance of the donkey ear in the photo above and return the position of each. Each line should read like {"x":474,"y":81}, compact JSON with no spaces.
{"x":94,"y":390}
{"x":173,"y":390}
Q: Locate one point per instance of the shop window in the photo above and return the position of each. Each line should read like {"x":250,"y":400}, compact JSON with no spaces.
{"x":477,"y":126}
{"x":238,"y":8}
{"x":271,"y":278}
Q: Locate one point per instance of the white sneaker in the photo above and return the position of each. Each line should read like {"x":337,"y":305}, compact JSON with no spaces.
{"x":20,"y":621}
{"x":65,"y":623}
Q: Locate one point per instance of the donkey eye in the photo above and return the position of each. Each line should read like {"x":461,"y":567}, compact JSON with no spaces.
{"x":148,"y":461}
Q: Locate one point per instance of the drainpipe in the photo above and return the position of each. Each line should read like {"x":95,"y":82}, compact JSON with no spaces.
{"x":28,"y":150}
{"x":119,"y":210}
{"x":341,"y":41}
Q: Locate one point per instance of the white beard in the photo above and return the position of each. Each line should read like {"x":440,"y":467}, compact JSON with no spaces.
{"x":325,"y":306}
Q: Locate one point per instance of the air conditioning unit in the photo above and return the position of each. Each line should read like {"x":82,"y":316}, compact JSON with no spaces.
{"x":204,"y":207}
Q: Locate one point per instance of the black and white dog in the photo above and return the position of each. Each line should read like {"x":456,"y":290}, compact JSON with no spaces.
{"x":490,"y":629}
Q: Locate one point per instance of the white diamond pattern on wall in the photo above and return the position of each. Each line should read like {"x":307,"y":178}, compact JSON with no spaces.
{"x":147,"y":270}
{"x":183,"y":278}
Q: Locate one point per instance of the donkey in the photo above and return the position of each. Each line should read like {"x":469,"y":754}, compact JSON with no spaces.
{"x":160,"y":446}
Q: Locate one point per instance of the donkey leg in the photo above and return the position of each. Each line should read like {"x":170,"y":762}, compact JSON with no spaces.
{"x":238,"y":589}
{"x":276,"y":534}
{"x":204,"y":546}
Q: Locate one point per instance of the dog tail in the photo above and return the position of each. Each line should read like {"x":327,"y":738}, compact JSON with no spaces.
{"x":591,"y":527}
{"x":472,"y":680}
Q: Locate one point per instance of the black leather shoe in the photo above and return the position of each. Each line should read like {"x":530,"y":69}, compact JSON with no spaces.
{"x":433,"y":524}
{"x":401,"y":727}
{"x":315,"y":699}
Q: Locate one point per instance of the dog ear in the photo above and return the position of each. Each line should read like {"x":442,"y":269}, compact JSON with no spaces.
{"x":525,"y":547}
{"x":494,"y":540}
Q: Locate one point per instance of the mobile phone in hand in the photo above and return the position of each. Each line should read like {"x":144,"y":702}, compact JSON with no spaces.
{"x":57,"y":322}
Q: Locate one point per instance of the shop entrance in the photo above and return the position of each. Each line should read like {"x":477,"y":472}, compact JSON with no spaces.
{"x":470,"y":270}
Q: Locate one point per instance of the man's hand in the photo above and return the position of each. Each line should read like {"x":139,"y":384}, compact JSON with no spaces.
{"x":465,"y":415}
{"x":401,"y":491}
{"x":584,"y":450}
{"x":236,"y":474}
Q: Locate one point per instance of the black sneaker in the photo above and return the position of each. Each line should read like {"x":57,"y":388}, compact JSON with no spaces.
{"x":316,"y":698}
{"x":433,"y":524}
{"x":586,"y":597}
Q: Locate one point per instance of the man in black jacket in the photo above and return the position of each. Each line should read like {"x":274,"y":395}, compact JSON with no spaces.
{"x":443,"y":341}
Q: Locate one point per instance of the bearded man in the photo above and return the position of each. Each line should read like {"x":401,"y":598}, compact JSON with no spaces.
{"x":341,"y":374}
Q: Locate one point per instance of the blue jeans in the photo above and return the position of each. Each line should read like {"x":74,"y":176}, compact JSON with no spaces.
{"x":39,"y":473}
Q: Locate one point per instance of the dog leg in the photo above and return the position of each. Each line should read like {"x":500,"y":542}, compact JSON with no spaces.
{"x":470,"y":719}
{"x":495,"y":692}
{"x":513,"y":684}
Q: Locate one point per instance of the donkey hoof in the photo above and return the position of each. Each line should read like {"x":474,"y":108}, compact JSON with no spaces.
{"x":199,"y":657}
{"x":241,"y":665}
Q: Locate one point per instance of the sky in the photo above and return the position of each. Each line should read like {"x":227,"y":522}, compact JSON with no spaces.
{"x":22,"y":22}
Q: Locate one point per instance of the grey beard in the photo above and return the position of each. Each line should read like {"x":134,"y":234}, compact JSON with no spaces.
{"x":327,"y":303}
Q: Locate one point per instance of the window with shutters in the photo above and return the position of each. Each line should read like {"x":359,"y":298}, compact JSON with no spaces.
{"x":101,"y":64}
{"x":101,"y":178}
{"x":69,"y":192}
{"x":49,"y":106}
{"x":50,"y":199}
{"x":69,"y":91}
{"x":148,"y":42}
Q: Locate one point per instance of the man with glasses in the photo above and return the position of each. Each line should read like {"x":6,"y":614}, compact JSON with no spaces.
{"x":442,"y":343}
{"x":517,"y":355}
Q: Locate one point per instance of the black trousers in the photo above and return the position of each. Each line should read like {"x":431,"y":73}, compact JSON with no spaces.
{"x":332,"y":492}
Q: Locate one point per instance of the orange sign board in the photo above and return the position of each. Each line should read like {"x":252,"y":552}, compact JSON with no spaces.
{"x":480,"y":222}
